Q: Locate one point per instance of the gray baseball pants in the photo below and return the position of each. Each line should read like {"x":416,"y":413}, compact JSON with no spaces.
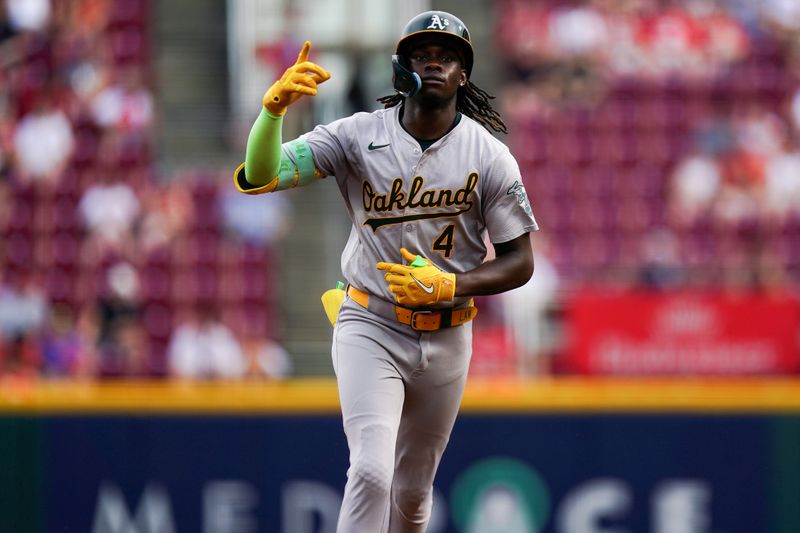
{"x":400,"y":392}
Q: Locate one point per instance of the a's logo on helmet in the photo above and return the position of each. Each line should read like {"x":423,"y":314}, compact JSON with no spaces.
{"x":438,"y":23}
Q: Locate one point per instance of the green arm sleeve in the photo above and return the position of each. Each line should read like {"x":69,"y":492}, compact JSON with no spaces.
{"x":263,"y":155}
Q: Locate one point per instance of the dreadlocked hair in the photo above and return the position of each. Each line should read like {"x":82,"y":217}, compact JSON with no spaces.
{"x":471,"y":101}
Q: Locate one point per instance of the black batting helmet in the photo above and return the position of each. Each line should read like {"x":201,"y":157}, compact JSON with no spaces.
{"x":439,"y":23}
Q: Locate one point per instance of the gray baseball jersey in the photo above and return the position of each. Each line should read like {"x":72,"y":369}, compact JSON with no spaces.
{"x":438,"y":203}
{"x":399,"y":388}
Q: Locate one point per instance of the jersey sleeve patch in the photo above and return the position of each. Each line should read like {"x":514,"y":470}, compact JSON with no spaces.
{"x":518,"y":190}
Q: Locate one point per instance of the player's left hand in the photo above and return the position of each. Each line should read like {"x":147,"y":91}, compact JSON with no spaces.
{"x":420,"y":282}
{"x":300,"y":79}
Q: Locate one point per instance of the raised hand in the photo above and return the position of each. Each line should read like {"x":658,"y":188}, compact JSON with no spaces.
{"x":300,"y":79}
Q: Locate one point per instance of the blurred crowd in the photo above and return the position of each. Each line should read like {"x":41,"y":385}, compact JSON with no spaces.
{"x":108,"y":268}
{"x":566,"y":52}
{"x":658,"y":140}
{"x":660,"y":144}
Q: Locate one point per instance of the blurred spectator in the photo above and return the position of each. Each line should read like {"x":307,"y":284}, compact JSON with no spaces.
{"x":782,"y":184}
{"x":20,"y":357}
{"x":522,"y":36}
{"x":125,"y":353}
{"x":12,"y":45}
{"x":554,"y":52}
{"x":578,"y":31}
{"x":726,"y":175}
{"x":23,"y":308}
{"x":781,"y":19}
{"x":661,"y":264}
{"x":257,"y":220}
{"x":29,"y":15}
{"x":695,"y":184}
{"x":87,"y":75}
{"x":578,"y":36}
{"x":714,"y":135}
{"x":692,"y":39}
{"x":525,"y":313}
{"x":759,"y":131}
{"x":726,"y":35}
{"x":83,"y":64}
{"x":125,"y":104}
{"x":66,"y":352}
{"x":671,"y":40}
{"x":624,"y":56}
{"x":167,"y":212}
{"x":772,"y":275}
{"x":23,"y":304}
{"x":266,"y":358}
{"x":781,"y":13}
{"x":7,"y":31}
{"x":740,"y":197}
{"x":535,"y":98}
{"x":109,"y":207}
{"x":88,"y":17}
{"x":794,"y":113}
{"x":205,"y":348}
{"x":119,"y":336}
{"x":742,"y":180}
{"x":43,"y":141}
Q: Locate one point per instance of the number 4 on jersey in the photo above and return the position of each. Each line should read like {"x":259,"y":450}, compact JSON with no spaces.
{"x":444,"y":242}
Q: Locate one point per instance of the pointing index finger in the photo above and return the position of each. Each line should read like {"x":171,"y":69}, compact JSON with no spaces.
{"x":303,"y":56}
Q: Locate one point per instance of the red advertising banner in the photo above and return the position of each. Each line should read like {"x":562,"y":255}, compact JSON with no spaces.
{"x":683,"y":333}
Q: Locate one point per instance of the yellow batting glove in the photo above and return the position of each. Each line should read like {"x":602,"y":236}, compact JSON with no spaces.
{"x":419,"y":283}
{"x":300,"y":79}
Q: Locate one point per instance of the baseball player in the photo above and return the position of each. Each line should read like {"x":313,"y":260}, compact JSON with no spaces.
{"x":423,"y":182}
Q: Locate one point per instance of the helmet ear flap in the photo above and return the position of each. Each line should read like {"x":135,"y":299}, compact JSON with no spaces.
{"x":405,"y":81}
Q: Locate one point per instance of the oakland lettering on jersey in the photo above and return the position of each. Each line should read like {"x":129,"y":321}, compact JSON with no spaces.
{"x":416,"y":197}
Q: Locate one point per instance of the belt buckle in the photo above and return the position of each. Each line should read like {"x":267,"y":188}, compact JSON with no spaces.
{"x":413,"y":324}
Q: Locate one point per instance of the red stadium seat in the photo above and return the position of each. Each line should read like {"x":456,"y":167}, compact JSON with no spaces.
{"x":157,"y":319}
{"x":127,"y":13}
{"x":127,"y":45}
{"x":156,"y":282}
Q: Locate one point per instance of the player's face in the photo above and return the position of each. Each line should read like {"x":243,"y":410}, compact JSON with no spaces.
{"x":439,"y":67}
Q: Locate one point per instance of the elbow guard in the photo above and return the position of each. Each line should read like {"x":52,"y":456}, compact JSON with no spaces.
{"x":296,"y":169}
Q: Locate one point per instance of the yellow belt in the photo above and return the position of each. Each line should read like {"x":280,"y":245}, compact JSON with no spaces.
{"x":423,"y":319}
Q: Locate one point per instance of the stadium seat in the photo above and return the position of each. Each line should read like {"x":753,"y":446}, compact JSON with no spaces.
{"x":127,"y":13}
{"x":156,"y":282}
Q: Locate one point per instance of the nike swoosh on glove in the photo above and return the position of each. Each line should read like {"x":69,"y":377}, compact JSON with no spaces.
{"x":420,"y":283}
